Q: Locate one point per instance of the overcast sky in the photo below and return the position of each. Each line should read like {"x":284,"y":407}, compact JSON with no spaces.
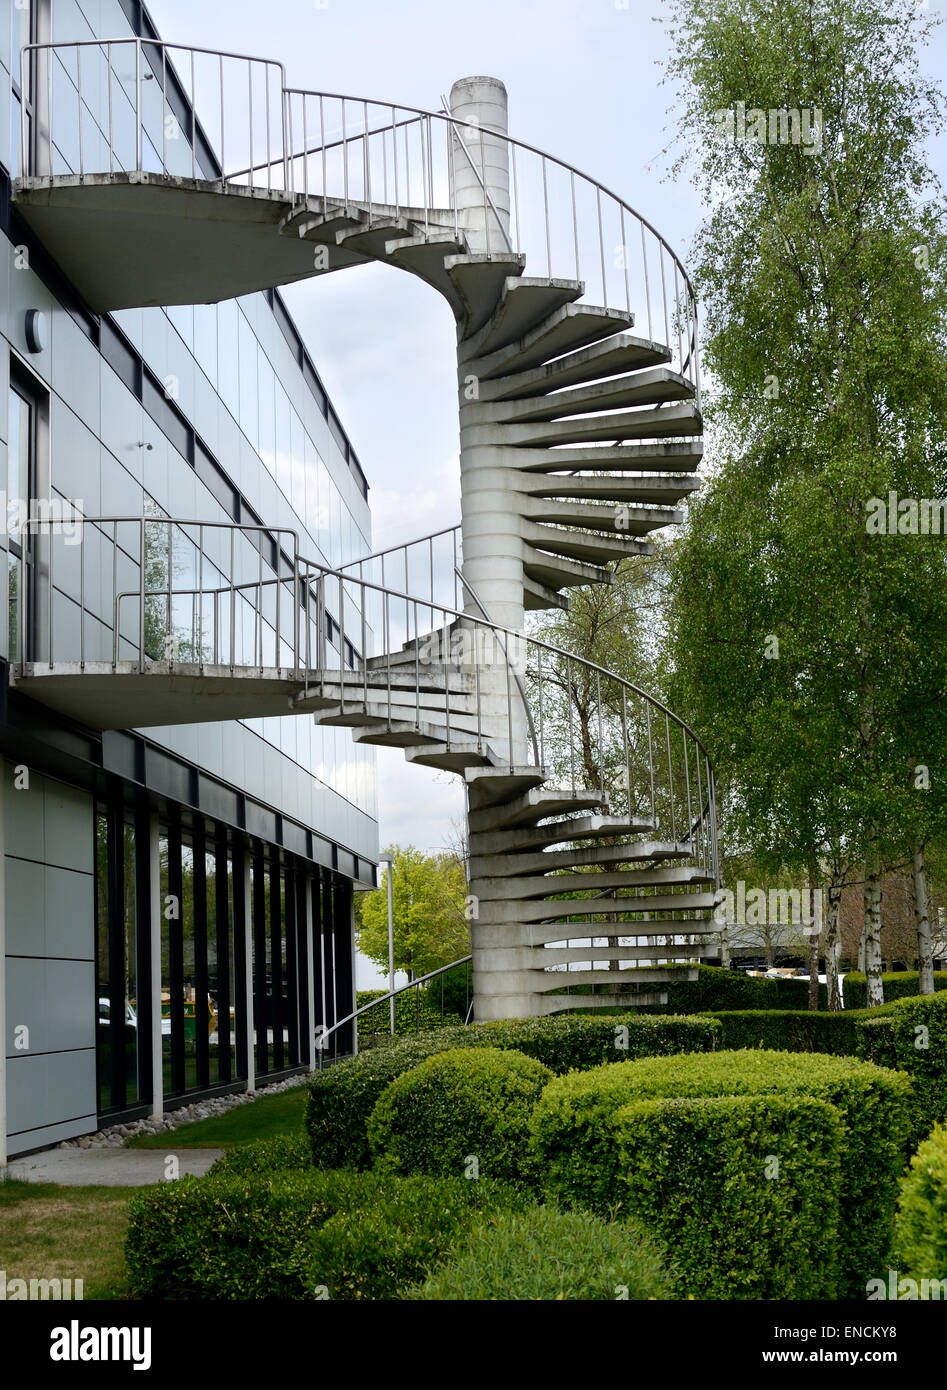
{"x":583,"y":81}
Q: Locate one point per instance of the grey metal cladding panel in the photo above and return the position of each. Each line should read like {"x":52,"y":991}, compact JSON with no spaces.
{"x":70,"y":913}
{"x":55,"y":999}
{"x":50,"y":1090}
{"x":25,"y":907}
{"x":24,"y":821}
{"x":70,"y":1080}
{"x":30,"y":1139}
{"x":70,"y":994}
{"x":26,"y":1004}
{"x":69,"y":828}
{"x":27,"y":1105}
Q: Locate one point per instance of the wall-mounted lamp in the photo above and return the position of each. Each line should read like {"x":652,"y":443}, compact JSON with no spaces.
{"x":37,"y":330}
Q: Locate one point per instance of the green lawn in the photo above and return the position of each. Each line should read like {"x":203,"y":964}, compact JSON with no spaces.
{"x":52,"y":1232}
{"x":262,"y":1119}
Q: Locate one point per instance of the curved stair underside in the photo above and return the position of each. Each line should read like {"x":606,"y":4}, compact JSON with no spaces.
{"x":589,"y":869}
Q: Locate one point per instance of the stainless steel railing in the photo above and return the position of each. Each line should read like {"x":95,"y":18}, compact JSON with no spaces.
{"x":156,"y":593}
{"x":130,"y":105}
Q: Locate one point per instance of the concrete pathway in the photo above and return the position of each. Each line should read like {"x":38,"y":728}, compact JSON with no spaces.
{"x":110,"y":1167}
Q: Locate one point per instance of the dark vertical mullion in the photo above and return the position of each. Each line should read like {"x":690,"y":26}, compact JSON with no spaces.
{"x":260,"y":1012}
{"x":201,"y":1039}
{"x":144,"y":927}
{"x":222,"y":925}
{"x":328,"y":973}
{"x":276,"y":961}
{"x":175,"y":913}
{"x":303,"y":1016}
{"x":115,"y":835}
{"x":290,"y":932}
{"x":238,"y":890}
{"x":342,"y":936}
{"x":318,"y":1016}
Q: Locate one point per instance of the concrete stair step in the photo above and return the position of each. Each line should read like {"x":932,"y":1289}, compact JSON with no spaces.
{"x":559,"y":910}
{"x":523,"y":304}
{"x":531,"y":838}
{"x":555,"y":571}
{"x":460,"y":756}
{"x":634,"y":458}
{"x":545,"y":934}
{"x":487,"y":787}
{"x":633,"y":521}
{"x":402,"y":733}
{"x":478,"y":282}
{"x":633,"y":852}
{"x":554,"y":1004}
{"x":653,"y":489}
{"x":499,"y":888}
{"x":565,"y":930}
{"x":425,"y":257}
{"x":572,"y":326}
{"x":619,"y":354}
{"x":534,"y":806}
{"x":651,"y":387}
{"x":629,"y":976}
{"x":648,"y":423}
{"x":537,"y":597}
{"x":585,"y":547}
{"x":572,"y":955}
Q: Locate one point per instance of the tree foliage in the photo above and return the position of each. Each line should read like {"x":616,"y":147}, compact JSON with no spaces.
{"x":428,"y":910}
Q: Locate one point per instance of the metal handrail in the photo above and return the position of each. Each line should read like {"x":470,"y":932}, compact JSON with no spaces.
{"x":324,"y":1033}
{"x":281,"y":150}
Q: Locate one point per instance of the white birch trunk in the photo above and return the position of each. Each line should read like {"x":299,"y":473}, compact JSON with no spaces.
{"x":833,"y":946}
{"x":871,"y":938}
{"x":922,"y":919}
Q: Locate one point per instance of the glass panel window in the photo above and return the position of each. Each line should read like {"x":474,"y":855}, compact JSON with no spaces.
{"x":19,"y":474}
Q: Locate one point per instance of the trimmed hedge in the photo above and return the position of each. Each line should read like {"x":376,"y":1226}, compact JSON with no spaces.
{"x":542,"y":1253}
{"x":301,"y":1236}
{"x":920,"y":1244}
{"x":915,"y":1042}
{"x":379,"y":1249}
{"x":790,"y":1030}
{"x":575,"y":1131}
{"x":716,"y":988}
{"x":468,"y":1103}
{"x":342,"y":1097}
{"x":233,"y":1236}
{"x":283,"y":1153}
{"x":570,"y":1042}
{"x":899,"y":984}
{"x":744,"y":1189}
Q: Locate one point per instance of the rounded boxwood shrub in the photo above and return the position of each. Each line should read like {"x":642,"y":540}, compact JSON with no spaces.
{"x":342,"y":1097}
{"x":575,"y":1131}
{"x":543,"y":1253}
{"x":462,"y":1113}
{"x":920,"y":1245}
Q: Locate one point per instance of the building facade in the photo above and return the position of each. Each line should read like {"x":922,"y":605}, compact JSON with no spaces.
{"x":177,"y":901}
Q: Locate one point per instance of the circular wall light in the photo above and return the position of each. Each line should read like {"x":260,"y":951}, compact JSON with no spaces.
{"x":37,"y":330}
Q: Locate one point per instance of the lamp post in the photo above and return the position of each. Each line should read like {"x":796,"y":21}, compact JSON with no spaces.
{"x":387,"y":859}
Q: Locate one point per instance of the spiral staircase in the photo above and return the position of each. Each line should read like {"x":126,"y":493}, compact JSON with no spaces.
{"x":591,"y":812}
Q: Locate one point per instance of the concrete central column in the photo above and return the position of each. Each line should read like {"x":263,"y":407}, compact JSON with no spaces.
{"x":481,"y":162}
{"x":493,"y":548}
